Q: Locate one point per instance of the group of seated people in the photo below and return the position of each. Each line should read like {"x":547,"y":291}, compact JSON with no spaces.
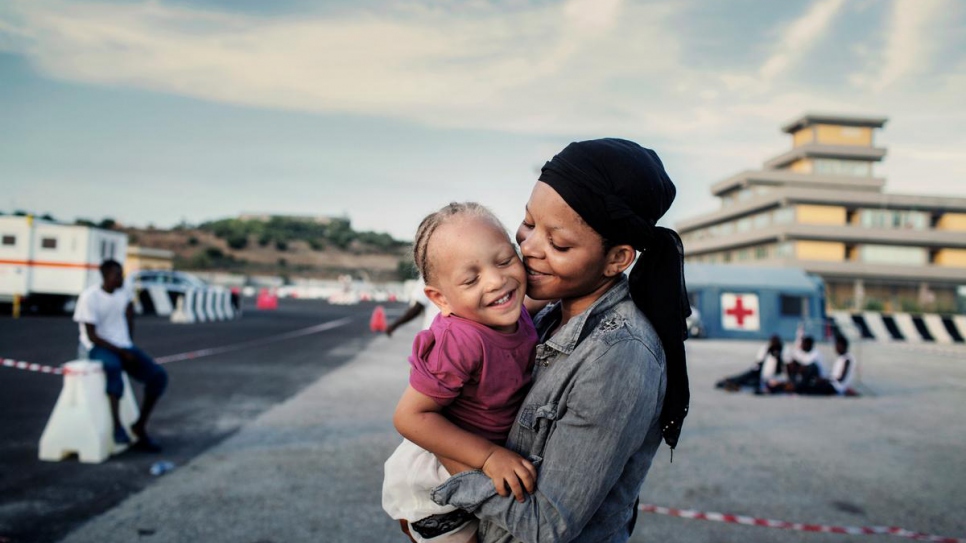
{"x":799,"y":370}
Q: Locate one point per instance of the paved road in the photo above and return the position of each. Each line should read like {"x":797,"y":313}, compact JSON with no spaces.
{"x":309,"y":468}
{"x":208,"y":399}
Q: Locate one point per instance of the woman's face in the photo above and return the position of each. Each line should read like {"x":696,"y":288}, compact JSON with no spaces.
{"x":564,"y":257}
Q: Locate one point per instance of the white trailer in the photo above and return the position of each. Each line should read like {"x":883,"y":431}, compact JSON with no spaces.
{"x":48,"y":264}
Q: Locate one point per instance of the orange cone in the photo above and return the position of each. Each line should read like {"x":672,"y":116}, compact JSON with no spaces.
{"x":378,"y":321}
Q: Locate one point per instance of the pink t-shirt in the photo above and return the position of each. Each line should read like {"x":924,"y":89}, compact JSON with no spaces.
{"x":479,"y":375}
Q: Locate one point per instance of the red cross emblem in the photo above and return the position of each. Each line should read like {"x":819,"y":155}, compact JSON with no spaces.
{"x":740,"y":312}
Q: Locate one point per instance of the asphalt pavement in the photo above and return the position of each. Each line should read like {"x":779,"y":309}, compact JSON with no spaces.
{"x":310,"y":468}
{"x":271,"y":357}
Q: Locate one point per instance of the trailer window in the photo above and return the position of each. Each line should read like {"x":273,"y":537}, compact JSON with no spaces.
{"x":48,"y":243}
{"x":107,"y":249}
{"x":792,"y":306}
{"x":9,"y":240}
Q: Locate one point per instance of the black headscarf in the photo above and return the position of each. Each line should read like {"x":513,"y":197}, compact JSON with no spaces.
{"x":621,"y":190}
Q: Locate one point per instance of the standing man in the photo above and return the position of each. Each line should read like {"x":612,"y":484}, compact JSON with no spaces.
{"x":105,"y":316}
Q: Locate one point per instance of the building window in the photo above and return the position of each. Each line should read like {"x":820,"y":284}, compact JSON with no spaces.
{"x":744,"y":224}
{"x":891,"y":254}
{"x":888,"y":218}
{"x":48,"y":243}
{"x":784,"y":215}
{"x":9,"y":240}
{"x":785,"y":250}
{"x":792,"y":306}
{"x":761,"y":252}
{"x":761,"y":220}
{"x":832,"y":166}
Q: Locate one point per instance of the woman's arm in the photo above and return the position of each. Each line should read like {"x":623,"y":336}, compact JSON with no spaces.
{"x":418,"y":419}
{"x":612,"y":407}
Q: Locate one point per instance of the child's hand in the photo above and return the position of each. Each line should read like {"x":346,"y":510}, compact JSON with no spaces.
{"x":508,"y":469}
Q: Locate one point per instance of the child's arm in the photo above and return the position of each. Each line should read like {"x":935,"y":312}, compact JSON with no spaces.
{"x":419,"y":420}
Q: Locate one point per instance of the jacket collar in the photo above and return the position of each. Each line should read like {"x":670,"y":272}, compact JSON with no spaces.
{"x":566,"y":338}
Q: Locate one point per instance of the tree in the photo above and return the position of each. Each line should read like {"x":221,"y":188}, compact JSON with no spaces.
{"x":237,"y":241}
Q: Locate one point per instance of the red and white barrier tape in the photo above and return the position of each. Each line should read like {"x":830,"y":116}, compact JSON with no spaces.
{"x":797,"y":526}
{"x":20,"y":365}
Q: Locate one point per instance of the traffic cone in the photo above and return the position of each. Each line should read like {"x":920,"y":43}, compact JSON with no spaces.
{"x":378,"y":321}
{"x":266,"y":300}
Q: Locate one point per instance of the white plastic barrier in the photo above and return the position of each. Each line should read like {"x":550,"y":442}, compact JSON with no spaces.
{"x":205,"y":305}
{"x":160,"y":300}
{"x":81,"y":420}
{"x":183,"y":313}
{"x":217,"y":300}
{"x":210,"y":305}
{"x":199,"y":306}
{"x":226,"y":306}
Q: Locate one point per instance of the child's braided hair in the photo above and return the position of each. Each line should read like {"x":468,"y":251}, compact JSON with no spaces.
{"x":433,"y":221}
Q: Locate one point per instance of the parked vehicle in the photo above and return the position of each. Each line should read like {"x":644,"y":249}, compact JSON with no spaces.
{"x":48,"y":264}
{"x":694,"y":324}
{"x":175,"y":283}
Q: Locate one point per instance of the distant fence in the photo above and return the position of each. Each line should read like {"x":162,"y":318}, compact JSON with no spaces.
{"x":906,"y":327}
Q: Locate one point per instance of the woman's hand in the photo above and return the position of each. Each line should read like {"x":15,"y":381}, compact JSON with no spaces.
{"x":510,"y":472}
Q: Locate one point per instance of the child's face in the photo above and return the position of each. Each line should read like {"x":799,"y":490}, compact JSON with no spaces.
{"x":477,"y":273}
{"x":564,"y":256}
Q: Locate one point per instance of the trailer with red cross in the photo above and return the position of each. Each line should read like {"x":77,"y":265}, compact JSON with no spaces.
{"x":754,"y":302}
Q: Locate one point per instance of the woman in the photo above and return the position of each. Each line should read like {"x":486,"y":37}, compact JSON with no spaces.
{"x":610,"y":376}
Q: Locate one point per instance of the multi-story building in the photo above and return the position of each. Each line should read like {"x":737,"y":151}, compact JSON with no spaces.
{"x":820,"y":207}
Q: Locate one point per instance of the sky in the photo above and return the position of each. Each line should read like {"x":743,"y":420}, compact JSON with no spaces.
{"x":167,"y":111}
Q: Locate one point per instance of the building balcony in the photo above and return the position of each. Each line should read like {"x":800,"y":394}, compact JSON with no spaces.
{"x":848,"y":234}
{"x":786,"y":196}
{"x":817,"y":150}
{"x":786,"y":178}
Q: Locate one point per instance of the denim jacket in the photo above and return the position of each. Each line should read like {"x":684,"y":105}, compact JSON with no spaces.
{"x":589,"y":424}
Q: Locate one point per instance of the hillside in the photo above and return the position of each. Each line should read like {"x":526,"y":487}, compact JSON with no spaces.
{"x":290,"y":248}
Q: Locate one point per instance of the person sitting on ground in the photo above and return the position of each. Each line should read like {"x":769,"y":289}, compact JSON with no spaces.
{"x":839,"y":381}
{"x":105,"y":316}
{"x":419,"y":304}
{"x":768,"y":367}
{"x":804,"y":364}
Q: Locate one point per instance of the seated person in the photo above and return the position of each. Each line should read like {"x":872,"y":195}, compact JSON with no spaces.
{"x":768,"y":367}
{"x":105,"y":316}
{"x":803,"y":365}
{"x":839,"y":382}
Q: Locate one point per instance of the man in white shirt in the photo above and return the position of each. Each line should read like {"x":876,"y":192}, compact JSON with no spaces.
{"x":105,"y":316}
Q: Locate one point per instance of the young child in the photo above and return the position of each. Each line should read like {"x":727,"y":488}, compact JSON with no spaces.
{"x":470,"y":371}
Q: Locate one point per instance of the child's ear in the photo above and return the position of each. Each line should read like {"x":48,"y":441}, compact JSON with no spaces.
{"x":619,"y":258}
{"x":436,"y":296}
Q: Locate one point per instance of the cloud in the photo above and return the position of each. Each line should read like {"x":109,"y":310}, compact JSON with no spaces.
{"x":910,"y":42}
{"x":578,"y":68}
{"x":432,"y":66}
{"x":799,"y":37}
